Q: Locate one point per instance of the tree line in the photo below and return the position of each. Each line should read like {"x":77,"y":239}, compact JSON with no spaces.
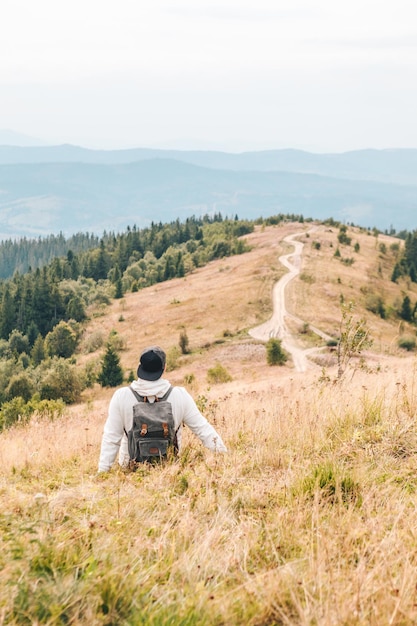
{"x":35,"y":301}
{"x":42,"y":311}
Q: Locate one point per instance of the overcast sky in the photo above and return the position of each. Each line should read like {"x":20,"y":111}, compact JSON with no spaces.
{"x":325,"y":76}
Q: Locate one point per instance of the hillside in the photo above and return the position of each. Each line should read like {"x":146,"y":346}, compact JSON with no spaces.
{"x":218,"y":303}
{"x":310,"y":517}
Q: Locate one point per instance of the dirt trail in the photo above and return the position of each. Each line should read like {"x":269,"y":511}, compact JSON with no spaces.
{"x":276,"y":326}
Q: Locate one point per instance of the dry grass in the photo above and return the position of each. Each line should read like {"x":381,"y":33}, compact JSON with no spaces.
{"x":309,"y":519}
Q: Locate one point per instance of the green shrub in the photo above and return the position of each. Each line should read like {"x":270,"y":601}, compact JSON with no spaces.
{"x":307,"y":278}
{"x":94,"y":342}
{"x":20,"y":385}
{"x":189,"y":379}
{"x":173,"y":354}
{"x":117,"y":342}
{"x":407,"y":342}
{"x":275,"y":355}
{"x":61,"y":341}
{"x":218,"y":374}
{"x":375,"y":304}
{"x":13,"y":411}
{"x":332,"y":343}
{"x":61,"y":380}
{"x":50,"y":409}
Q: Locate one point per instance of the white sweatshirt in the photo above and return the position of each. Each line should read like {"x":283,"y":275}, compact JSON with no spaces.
{"x":120,"y":419}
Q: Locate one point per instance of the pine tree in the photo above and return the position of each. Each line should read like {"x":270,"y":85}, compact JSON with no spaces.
{"x":38,"y":351}
{"x":406,"y":311}
{"x":118,"y":292}
{"x":396,"y":273}
{"x":111,"y":374}
{"x":7,"y":314}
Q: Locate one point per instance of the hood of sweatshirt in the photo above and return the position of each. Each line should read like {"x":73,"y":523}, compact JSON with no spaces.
{"x":151,"y":388}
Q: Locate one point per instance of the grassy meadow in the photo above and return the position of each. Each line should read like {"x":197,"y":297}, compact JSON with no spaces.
{"x":310,"y":519}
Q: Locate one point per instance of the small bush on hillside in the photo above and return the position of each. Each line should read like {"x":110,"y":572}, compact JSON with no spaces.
{"x":307,"y":278}
{"x":13,"y":411}
{"x":184,"y":342}
{"x":342,"y":237}
{"x":20,"y":385}
{"x":61,"y":380}
{"x":375,"y":304}
{"x":354,"y":337}
{"x":189,"y":379}
{"x":93,"y":342}
{"x":275,"y":355}
{"x":48,"y":409}
{"x":218,"y":374}
{"x":117,"y":342}
{"x":91,"y":372}
{"x":332,"y":343}
{"x":61,"y":341}
{"x":17,"y":411}
{"x":407,"y":342}
{"x":131,"y":377}
{"x":173,"y":354}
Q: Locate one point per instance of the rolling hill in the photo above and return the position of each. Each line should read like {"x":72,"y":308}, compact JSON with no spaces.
{"x":309,"y":518}
{"x":71,"y":189}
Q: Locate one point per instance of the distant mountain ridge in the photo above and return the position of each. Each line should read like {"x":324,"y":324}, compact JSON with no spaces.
{"x":394,"y":166}
{"x":66,"y":188}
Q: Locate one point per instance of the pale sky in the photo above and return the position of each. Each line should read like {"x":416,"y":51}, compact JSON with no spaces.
{"x":322,"y":75}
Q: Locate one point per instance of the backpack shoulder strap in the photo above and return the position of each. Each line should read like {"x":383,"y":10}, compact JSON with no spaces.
{"x":137,"y":396}
{"x":165,"y":396}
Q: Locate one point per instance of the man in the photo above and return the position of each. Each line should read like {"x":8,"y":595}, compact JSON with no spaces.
{"x":151,"y":384}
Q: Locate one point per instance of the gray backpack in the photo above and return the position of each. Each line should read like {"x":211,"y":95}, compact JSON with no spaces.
{"x":153,"y":435}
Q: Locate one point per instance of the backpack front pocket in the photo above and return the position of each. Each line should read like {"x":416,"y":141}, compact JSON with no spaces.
{"x":153,"y":448}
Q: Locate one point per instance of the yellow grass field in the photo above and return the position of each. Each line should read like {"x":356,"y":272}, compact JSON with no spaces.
{"x":310,"y":518}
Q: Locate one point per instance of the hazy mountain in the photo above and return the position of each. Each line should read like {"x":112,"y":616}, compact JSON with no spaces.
{"x":394,"y":166}
{"x":43,"y":198}
{"x":12,"y":138}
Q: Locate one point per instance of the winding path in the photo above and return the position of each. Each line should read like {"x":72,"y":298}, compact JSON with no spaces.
{"x":276,"y":326}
